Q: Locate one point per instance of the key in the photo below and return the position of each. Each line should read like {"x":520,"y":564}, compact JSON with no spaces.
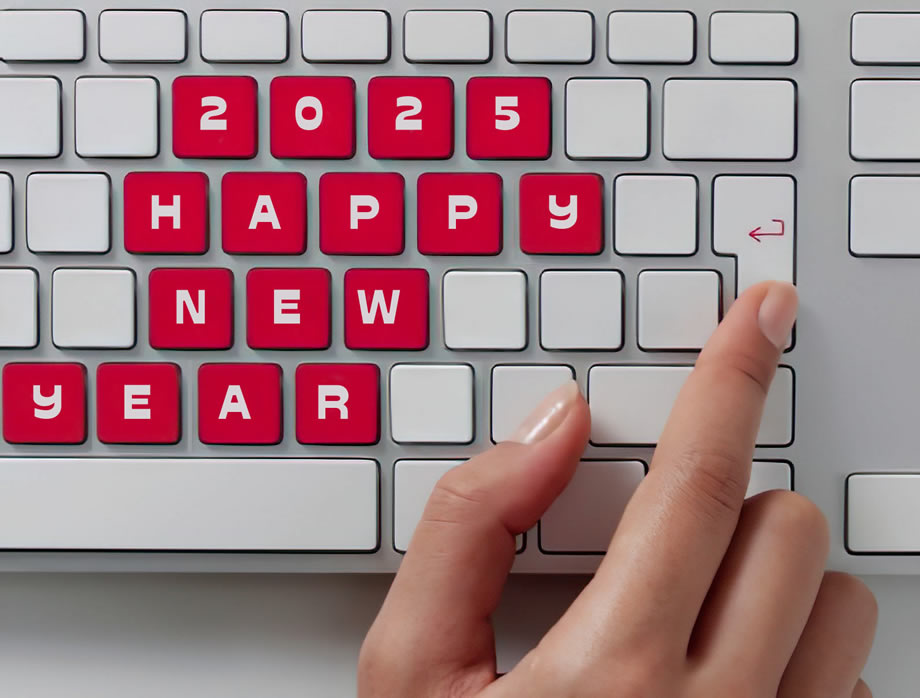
{"x":117,"y":117}
{"x":533,"y":36}
{"x":44,"y":404}
{"x":881,"y":513}
{"x":265,"y":504}
{"x":753,"y":37}
{"x":508,"y":118}
{"x":42,"y":35}
{"x":346,"y":36}
{"x":361,"y":213}
{"x":18,"y":308}
{"x":883,"y":211}
{"x":166,"y":212}
{"x":410,"y":118}
{"x":6,"y":213}
{"x":138,"y":403}
{"x":769,"y":475}
{"x":288,"y":308}
{"x":607,"y":119}
{"x":191,"y":308}
{"x":561,"y":213}
{"x":517,"y":389}
{"x":264,"y":35}
{"x":485,"y":310}
{"x":386,"y":309}
{"x":447,"y":36}
{"x":313,"y":117}
{"x":459,"y":213}
{"x":338,"y":404}
{"x":215,"y":117}
{"x":754,"y":221}
{"x":68,"y":212}
{"x":651,"y":37}
{"x":264,"y":213}
{"x":30,"y":121}
{"x":598,"y":322}
{"x":93,"y":308}
{"x":413,"y":483}
{"x":883,"y":116}
{"x":885,"y":38}
{"x":142,"y":36}
{"x":239,"y":404}
{"x":418,"y":411}
{"x":655,"y":214}
{"x":678,"y":310}
{"x":729,"y":119}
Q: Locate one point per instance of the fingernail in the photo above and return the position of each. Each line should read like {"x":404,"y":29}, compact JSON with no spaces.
{"x":777,"y":313}
{"x":548,"y":415}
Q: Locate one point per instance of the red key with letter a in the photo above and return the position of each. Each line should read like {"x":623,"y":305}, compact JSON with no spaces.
{"x":239,"y":404}
{"x":215,"y":117}
{"x":138,"y":403}
{"x":460,"y":214}
{"x":44,"y":403}
{"x":410,"y":118}
{"x":338,"y":404}
{"x":264,"y":212}
{"x":288,"y":308}
{"x":562,"y":214}
{"x":313,"y":117}
{"x":386,"y":308}
{"x":166,"y":212}
{"x":191,"y":308}
{"x":361,"y":213}
{"x":509,"y":118}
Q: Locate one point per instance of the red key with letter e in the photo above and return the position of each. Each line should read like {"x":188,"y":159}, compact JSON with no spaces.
{"x":460,"y":214}
{"x":338,"y":404}
{"x":44,"y":403}
{"x":215,"y":117}
{"x":288,"y":308}
{"x":562,"y":214}
{"x":138,"y":403}
{"x":313,"y":117}
{"x":191,"y":308}
{"x":410,"y":118}
{"x":239,"y":404}
{"x":361,"y":213}
{"x":386,"y":308}
{"x":508,"y":118}
{"x":166,"y":212}
{"x":264,"y":212}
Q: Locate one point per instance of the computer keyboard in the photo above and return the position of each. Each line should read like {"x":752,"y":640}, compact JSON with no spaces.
{"x":267,"y":272}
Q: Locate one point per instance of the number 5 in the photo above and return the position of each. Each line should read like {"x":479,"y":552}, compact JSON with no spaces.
{"x":506,"y":118}
{"x":209,"y":122}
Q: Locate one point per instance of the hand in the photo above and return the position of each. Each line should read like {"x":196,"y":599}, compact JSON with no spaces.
{"x":701,"y":593}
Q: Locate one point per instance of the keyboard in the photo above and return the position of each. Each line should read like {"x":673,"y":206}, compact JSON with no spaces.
{"x":266,"y":273}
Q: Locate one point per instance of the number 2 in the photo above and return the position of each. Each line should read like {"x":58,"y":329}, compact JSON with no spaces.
{"x":209,"y":120}
{"x":412,"y":108}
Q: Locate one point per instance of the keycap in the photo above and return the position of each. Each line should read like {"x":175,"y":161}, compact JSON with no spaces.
{"x":508,"y":118}
{"x":753,"y":37}
{"x":215,"y":117}
{"x":485,"y":310}
{"x":138,"y":403}
{"x":883,"y":116}
{"x":727,"y":119}
{"x":885,"y":38}
{"x":166,"y":212}
{"x":413,"y":482}
{"x":655,"y":214}
{"x":42,"y":35}
{"x":881,"y":513}
{"x":117,"y":117}
{"x":191,"y":308}
{"x":68,"y":212}
{"x":44,"y":403}
{"x":459,"y":213}
{"x":244,"y":36}
{"x":607,"y":119}
{"x":93,"y":308}
{"x":264,"y":504}
{"x":561,"y":213}
{"x":30,"y":121}
{"x":883,"y":215}
{"x":651,"y":37}
{"x":386,"y":309}
{"x":630,"y":404}
{"x":418,"y":411}
{"x":754,"y":220}
{"x":264,"y":213}
{"x":338,"y":403}
{"x":142,"y":36}
{"x":535,"y":36}
{"x":769,"y":475}
{"x":516,"y":390}
{"x":584,"y":517}
{"x":581,"y":310}
{"x":346,"y":36}
{"x":288,"y":308}
{"x":239,"y":404}
{"x":313,"y":117}
{"x":447,"y":36}
{"x":362,"y":213}
{"x":410,"y":118}
{"x":678,"y":310}
{"x":18,"y":308}
{"x":6,"y":213}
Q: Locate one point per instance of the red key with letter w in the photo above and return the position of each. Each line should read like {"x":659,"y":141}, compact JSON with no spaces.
{"x":386,"y":308}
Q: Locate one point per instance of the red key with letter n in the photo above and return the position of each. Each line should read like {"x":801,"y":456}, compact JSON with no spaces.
{"x":313,"y":117}
{"x":44,"y":403}
{"x":264,"y":212}
{"x":215,"y":117}
{"x":562,"y":213}
{"x":410,"y":118}
{"x":138,"y":403}
{"x":386,"y":309}
{"x":338,"y":404}
{"x":509,"y":118}
{"x":239,"y":404}
{"x":288,"y":308}
{"x":166,"y":212}
{"x":460,"y":214}
{"x":191,"y":308}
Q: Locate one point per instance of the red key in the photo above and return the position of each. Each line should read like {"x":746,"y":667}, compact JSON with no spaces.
{"x":166,"y":212}
{"x":138,"y":403}
{"x":44,"y":403}
{"x":562,"y":214}
{"x":460,"y":214}
{"x":191,"y":308}
{"x":338,"y":404}
{"x":288,"y":308}
{"x":215,"y":117}
{"x":410,"y":118}
{"x":239,"y":404}
{"x":264,"y":212}
{"x":509,"y":118}
{"x":386,"y":308}
{"x":313,"y":117}
{"x":361,"y":213}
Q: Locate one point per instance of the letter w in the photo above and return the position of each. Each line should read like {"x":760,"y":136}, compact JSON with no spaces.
{"x":388,"y":311}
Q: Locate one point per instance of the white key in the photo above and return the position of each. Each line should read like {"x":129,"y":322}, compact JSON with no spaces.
{"x":30,"y":120}
{"x":259,"y":36}
{"x":431,"y":403}
{"x":93,"y":308}
{"x":655,"y":214}
{"x":6,"y":213}
{"x":886,"y":38}
{"x":754,"y":220}
{"x":142,"y":36}
{"x":516,"y":390}
{"x":678,"y":310}
{"x":447,"y":36}
{"x":753,"y":37}
{"x":68,"y":212}
{"x":607,"y":118}
{"x":282,"y":504}
{"x":18,"y":308}
{"x":883,"y":513}
{"x":651,"y":37}
{"x":581,"y":310}
{"x":413,"y":482}
{"x":729,"y":119}
{"x":630,"y":404}
{"x":883,"y":119}
{"x":117,"y":117}
{"x":883,"y":216}
{"x":534,"y":36}
{"x":769,"y":475}
{"x":485,"y":310}
{"x":42,"y":35}
{"x":346,"y":36}
{"x":583,"y":518}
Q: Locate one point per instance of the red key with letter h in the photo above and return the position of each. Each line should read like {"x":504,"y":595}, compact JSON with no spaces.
{"x":215,"y":117}
{"x":386,"y":308}
{"x":44,"y":403}
{"x":338,"y":404}
{"x":191,"y":308}
{"x":166,"y":212}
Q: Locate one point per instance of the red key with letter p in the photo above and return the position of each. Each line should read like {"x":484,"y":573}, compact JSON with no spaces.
{"x":460,"y":214}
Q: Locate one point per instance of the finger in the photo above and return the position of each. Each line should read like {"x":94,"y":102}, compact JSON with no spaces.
{"x":435,"y":619}
{"x":835,"y":644}
{"x":862,"y":690}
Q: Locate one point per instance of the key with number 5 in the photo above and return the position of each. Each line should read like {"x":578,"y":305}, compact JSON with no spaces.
{"x":508,"y":118}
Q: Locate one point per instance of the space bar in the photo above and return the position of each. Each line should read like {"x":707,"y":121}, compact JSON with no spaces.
{"x":220,"y":504}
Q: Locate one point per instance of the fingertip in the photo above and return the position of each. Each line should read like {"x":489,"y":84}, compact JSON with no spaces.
{"x":777,"y":313}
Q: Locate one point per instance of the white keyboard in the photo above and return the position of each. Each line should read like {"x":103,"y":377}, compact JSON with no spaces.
{"x":266,"y":273}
